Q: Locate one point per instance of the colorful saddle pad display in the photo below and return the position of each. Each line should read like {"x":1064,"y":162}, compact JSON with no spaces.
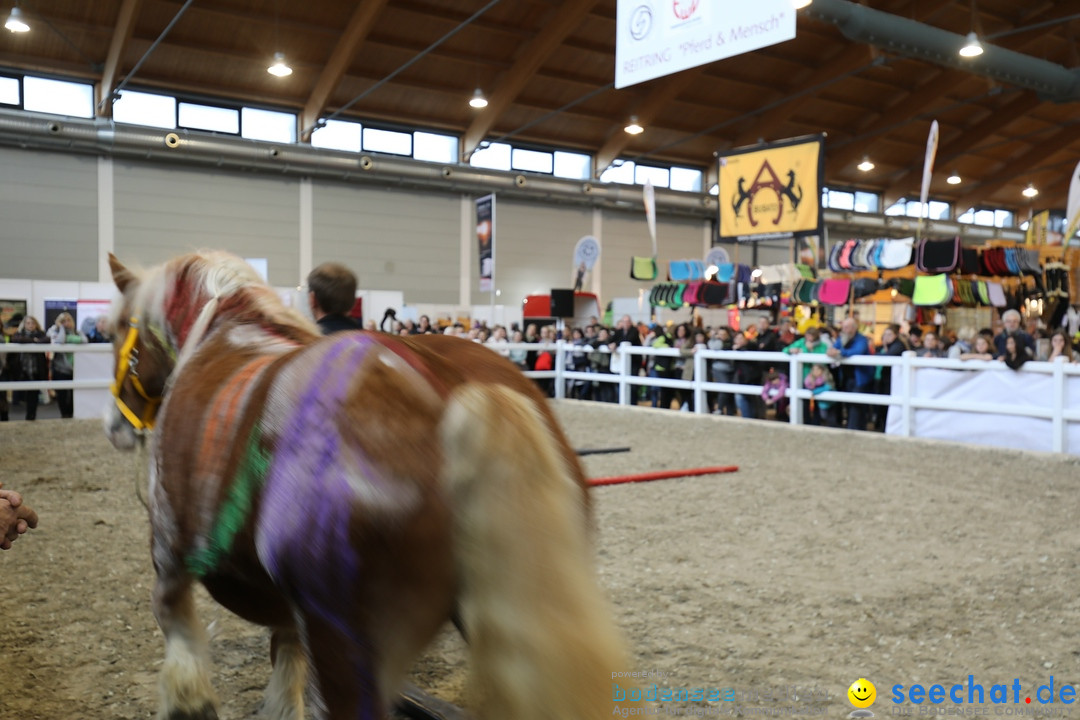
{"x":834,"y":291}
{"x":896,"y":254}
{"x":932,"y":290}
{"x":805,"y":291}
{"x":713,"y":293}
{"x":938,"y":256}
{"x":643,"y":268}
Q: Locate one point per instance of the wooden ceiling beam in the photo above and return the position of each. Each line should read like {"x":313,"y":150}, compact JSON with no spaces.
{"x":1021,"y":163}
{"x":1055,"y":193}
{"x":360,"y":24}
{"x":565,"y":20}
{"x":910,"y":106}
{"x":121,"y":37}
{"x":853,"y":57}
{"x":962,"y":141}
{"x":663,"y":93}
{"x":454,"y":17}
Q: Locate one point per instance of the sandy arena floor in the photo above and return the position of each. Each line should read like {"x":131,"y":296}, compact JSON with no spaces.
{"x":827,"y":557}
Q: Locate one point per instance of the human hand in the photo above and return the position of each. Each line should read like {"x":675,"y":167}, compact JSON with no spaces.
{"x":15,"y":518}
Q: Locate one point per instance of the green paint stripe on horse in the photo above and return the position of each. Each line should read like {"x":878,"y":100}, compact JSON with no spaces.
{"x":235,"y":509}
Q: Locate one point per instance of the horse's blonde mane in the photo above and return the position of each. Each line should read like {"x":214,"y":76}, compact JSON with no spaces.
{"x":214,"y":278}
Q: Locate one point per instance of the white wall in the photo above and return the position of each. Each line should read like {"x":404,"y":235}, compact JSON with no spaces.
{"x":396,"y":240}
{"x":392,"y":239}
{"x":534,"y":250}
{"x":48,"y":216}
{"x":164,"y":212}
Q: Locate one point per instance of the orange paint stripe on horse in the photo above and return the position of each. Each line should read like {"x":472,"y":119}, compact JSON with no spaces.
{"x":223,"y":414}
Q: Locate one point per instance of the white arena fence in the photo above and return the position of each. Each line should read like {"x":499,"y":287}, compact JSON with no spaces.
{"x":89,"y":383}
{"x":974,"y":401}
{"x":982,"y":402}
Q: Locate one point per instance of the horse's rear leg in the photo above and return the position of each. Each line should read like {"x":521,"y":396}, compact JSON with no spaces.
{"x":186,"y":692}
{"x":361,"y":676}
{"x":345,"y":672}
{"x":285,"y":692}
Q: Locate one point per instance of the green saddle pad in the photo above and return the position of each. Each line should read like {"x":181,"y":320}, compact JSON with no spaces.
{"x":643,"y":268}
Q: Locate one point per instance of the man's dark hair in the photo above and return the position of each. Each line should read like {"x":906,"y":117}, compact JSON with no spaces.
{"x":334,"y":286}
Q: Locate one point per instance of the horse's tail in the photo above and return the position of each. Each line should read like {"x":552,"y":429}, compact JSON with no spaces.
{"x":542,"y":640}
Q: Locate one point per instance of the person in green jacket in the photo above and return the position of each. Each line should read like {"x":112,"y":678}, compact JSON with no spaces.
{"x":63,"y":364}
{"x":811,"y":342}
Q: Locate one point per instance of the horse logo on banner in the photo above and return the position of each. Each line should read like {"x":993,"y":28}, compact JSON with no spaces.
{"x":767,"y":179}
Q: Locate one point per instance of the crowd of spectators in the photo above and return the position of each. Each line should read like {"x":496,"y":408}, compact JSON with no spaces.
{"x":595,"y":349}
{"x":37,"y":366}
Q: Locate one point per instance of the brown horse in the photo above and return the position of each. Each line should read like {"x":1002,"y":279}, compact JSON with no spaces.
{"x":352,"y":493}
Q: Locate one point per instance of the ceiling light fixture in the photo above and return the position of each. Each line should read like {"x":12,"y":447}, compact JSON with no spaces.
{"x":633,"y":128}
{"x":972,"y":48}
{"x":478,"y":100}
{"x":865,"y":165}
{"x":1030,"y":191}
{"x":15,"y":22}
{"x":279,"y":68}
{"x":954,"y":178}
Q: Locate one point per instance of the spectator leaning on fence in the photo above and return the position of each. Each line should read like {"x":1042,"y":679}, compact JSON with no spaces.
{"x":981,"y":349}
{"x":722,"y":371}
{"x":808,"y":343}
{"x":1060,"y":346}
{"x":747,"y":372}
{"x":932,"y":347}
{"x":63,"y":364}
{"x":1011,"y":320}
{"x":859,"y":378}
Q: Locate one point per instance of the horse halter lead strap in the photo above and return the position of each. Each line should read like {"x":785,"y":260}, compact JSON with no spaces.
{"x":129,"y":362}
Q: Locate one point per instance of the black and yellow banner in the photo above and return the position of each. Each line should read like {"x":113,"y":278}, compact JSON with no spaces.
{"x":772,"y":191}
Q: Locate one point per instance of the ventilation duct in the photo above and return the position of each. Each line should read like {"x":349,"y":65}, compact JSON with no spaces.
{"x":28,"y":131}
{"x":917,"y":40}
{"x":102,"y":137}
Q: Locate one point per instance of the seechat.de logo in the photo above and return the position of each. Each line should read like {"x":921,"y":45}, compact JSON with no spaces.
{"x":862,"y":695}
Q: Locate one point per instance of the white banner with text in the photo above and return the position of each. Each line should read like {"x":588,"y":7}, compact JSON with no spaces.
{"x":657,"y":37}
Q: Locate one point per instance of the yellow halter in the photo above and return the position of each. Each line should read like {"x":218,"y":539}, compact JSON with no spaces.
{"x":128,"y":362}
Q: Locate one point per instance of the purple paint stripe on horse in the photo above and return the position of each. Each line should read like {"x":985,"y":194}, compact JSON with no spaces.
{"x":306,"y":505}
{"x":303,"y":526}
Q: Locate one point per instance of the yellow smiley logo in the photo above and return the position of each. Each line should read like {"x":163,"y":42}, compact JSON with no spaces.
{"x":862,"y":693}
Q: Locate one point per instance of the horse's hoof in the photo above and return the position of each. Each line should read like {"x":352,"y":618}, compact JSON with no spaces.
{"x":206,"y":712}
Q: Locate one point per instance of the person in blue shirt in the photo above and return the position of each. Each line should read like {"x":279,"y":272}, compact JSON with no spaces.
{"x":858,"y":379}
